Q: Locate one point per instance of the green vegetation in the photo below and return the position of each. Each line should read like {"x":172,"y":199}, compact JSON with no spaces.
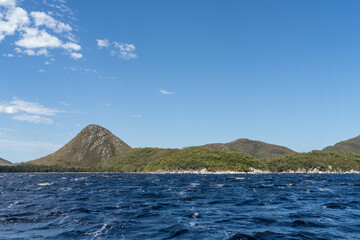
{"x":41,"y":168}
{"x":97,"y":149}
{"x":256,"y":149}
{"x":338,"y":161}
{"x":198,"y":158}
{"x":135,"y":160}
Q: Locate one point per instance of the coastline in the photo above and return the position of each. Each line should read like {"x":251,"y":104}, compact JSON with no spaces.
{"x":206,"y":172}
{"x":254,"y":171}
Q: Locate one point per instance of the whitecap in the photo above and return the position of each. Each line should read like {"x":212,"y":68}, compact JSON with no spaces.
{"x":14,"y":203}
{"x":195,"y":215}
{"x":98,"y":232}
{"x":80,"y":178}
{"x":44,"y":184}
{"x":194,"y":184}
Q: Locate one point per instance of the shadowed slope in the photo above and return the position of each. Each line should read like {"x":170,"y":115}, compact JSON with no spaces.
{"x":4,"y":162}
{"x":255,"y":148}
{"x":352,"y":145}
{"x":91,"y":146}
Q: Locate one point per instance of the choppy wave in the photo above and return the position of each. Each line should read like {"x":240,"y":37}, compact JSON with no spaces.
{"x":128,"y":206}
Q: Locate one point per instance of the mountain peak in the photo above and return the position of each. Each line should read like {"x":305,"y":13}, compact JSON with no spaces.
{"x":257,"y":149}
{"x":91,"y":127}
{"x":87,"y":149}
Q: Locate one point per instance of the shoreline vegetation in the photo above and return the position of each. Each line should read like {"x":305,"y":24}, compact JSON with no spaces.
{"x":96,"y":149}
{"x":198,"y":160}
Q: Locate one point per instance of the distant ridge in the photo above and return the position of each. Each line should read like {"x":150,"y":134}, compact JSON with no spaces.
{"x":91,"y":146}
{"x":351,"y":145}
{"x":4,"y":162}
{"x":257,"y":149}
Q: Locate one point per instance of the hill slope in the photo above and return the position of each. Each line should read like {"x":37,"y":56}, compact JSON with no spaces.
{"x":198,"y":158}
{"x":332,"y":161}
{"x":4,"y":162}
{"x":135,"y":160}
{"x":256,"y":149}
{"x":91,"y":146}
{"x":352,"y":145}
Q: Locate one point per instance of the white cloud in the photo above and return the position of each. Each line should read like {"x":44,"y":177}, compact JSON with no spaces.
{"x":31,"y":52}
{"x":108,"y":104}
{"x":137,"y":116}
{"x":71,"y":46}
{"x":13,"y":19}
{"x":125,"y":47}
{"x":42,"y":19}
{"x":41,"y":70}
{"x":28,"y":111}
{"x":34,"y":30}
{"x":103,"y":43}
{"x":162,"y":91}
{"x":122,"y":50}
{"x":35,"y":38}
{"x":7,"y":3}
{"x":126,"y":51}
{"x":8,"y":55}
{"x":76,"y":55}
{"x":20,"y":106}
{"x":33,"y":119}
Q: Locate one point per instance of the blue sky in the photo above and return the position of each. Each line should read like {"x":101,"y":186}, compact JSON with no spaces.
{"x":178,"y":73}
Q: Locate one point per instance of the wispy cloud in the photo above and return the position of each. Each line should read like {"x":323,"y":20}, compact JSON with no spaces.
{"x":81,"y":69}
{"x":33,"y":118}
{"x":27,"y":146}
{"x":6,"y":129}
{"x":162,"y":91}
{"x":125,"y":50}
{"x":64,"y":103}
{"x":36,"y":32}
{"x":137,"y":116}
{"x":8,"y":55}
{"x":31,"y":52}
{"x":122,"y":50}
{"x":32,"y":112}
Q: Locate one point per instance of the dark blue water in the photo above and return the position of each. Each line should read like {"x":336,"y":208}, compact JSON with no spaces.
{"x":124,"y":206}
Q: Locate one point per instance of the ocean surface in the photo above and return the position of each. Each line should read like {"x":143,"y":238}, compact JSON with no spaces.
{"x":130,"y":206}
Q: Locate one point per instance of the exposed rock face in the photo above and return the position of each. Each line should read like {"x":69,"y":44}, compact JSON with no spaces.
{"x":255,"y":148}
{"x":4,"y":162}
{"x":352,"y":145}
{"x":91,"y":146}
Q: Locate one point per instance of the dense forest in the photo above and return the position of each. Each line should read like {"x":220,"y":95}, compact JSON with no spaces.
{"x":199,"y":158}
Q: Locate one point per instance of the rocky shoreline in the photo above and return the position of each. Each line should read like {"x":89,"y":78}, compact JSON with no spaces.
{"x":253,"y":171}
